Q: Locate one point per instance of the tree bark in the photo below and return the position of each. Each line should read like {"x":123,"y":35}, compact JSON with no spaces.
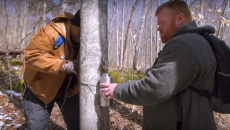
{"x":225,"y":3}
{"x":140,"y":35}
{"x":127,"y":39}
{"x":37,"y":16}
{"x":117,"y":32}
{"x":94,"y":55}
{"x":157,"y":39}
{"x":44,"y":12}
{"x":23,"y":24}
{"x":76,"y":6}
{"x":64,"y":6}
{"x":122,"y":33}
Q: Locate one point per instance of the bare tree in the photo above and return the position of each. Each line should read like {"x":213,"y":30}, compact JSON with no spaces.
{"x":37,"y":15}
{"x":122,"y":33}
{"x":76,"y":6}
{"x":128,"y":37}
{"x":117,"y":32}
{"x":221,"y":24}
{"x":94,"y":56}
{"x":44,"y":12}
{"x":140,"y":39}
{"x":64,"y":5}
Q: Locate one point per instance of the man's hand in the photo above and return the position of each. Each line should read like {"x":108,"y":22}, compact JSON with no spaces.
{"x":71,"y":67}
{"x":108,"y":91}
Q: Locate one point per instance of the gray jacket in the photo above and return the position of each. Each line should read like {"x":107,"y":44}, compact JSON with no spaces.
{"x":186,"y":60}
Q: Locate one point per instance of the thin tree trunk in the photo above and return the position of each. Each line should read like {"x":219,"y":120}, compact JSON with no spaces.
{"x":94,"y":47}
{"x":225,"y":3}
{"x":44,"y":12}
{"x":140,"y":38}
{"x":75,"y":9}
{"x":6,"y":26}
{"x":122,"y":33}
{"x":64,"y":6}
{"x":157,"y":39}
{"x":127,"y":39}
{"x":117,"y":32}
{"x":37,"y":16}
{"x":24,"y":22}
{"x":151,"y":34}
{"x":6,"y":62}
{"x":201,"y":12}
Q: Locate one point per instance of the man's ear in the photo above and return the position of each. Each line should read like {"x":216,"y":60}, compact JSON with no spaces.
{"x":180,"y":19}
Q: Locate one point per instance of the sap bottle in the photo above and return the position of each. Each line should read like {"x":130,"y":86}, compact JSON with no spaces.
{"x":106,"y":78}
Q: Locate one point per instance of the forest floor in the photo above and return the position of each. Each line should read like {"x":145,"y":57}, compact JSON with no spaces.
{"x":122,"y":116}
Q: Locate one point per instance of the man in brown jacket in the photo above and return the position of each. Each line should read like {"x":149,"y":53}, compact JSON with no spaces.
{"x":51,"y":69}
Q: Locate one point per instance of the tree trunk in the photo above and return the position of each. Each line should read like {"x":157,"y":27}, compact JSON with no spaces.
{"x":140,"y":36}
{"x":152,"y":41}
{"x":122,"y":33}
{"x":5,"y":46}
{"x":127,"y":39}
{"x":64,"y":6}
{"x":225,"y":3}
{"x":201,"y":12}
{"x":37,"y":16}
{"x":157,"y":39}
{"x":76,"y":6}
{"x":24,"y":22}
{"x":117,"y":32}
{"x":44,"y":13}
{"x":94,"y":55}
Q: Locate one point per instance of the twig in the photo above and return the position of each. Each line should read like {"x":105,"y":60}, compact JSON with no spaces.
{"x":133,"y":110}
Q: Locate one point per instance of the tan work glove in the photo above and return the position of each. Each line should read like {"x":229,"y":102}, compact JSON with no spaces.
{"x":71,"y":67}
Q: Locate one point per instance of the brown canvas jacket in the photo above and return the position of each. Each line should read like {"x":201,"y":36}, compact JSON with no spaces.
{"x":43,"y":64}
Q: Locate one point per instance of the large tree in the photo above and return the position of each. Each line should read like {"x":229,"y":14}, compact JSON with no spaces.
{"x":94,"y":57}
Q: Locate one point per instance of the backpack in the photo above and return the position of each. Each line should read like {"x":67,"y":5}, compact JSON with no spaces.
{"x":221,"y":93}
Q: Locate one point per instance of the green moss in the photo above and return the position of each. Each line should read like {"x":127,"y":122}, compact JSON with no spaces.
{"x":116,"y":77}
{"x":125,"y":76}
{"x":14,"y":62}
{"x":17,"y":86}
{"x":19,"y":73}
{"x":20,"y":56}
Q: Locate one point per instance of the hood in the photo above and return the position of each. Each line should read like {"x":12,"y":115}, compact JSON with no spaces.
{"x":61,"y":23}
{"x":193,"y":28}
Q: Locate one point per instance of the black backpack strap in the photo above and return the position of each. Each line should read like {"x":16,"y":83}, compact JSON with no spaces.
{"x":204,"y":93}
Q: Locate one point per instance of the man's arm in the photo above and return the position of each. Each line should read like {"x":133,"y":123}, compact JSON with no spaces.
{"x":175,"y":70}
{"x":38,"y":57}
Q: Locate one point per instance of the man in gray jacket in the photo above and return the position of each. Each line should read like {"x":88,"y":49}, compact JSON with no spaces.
{"x":186,"y":60}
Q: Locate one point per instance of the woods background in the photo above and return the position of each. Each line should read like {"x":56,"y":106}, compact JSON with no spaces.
{"x":133,"y":38}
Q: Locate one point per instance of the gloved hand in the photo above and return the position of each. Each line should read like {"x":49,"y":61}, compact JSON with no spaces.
{"x":71,"y":67}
